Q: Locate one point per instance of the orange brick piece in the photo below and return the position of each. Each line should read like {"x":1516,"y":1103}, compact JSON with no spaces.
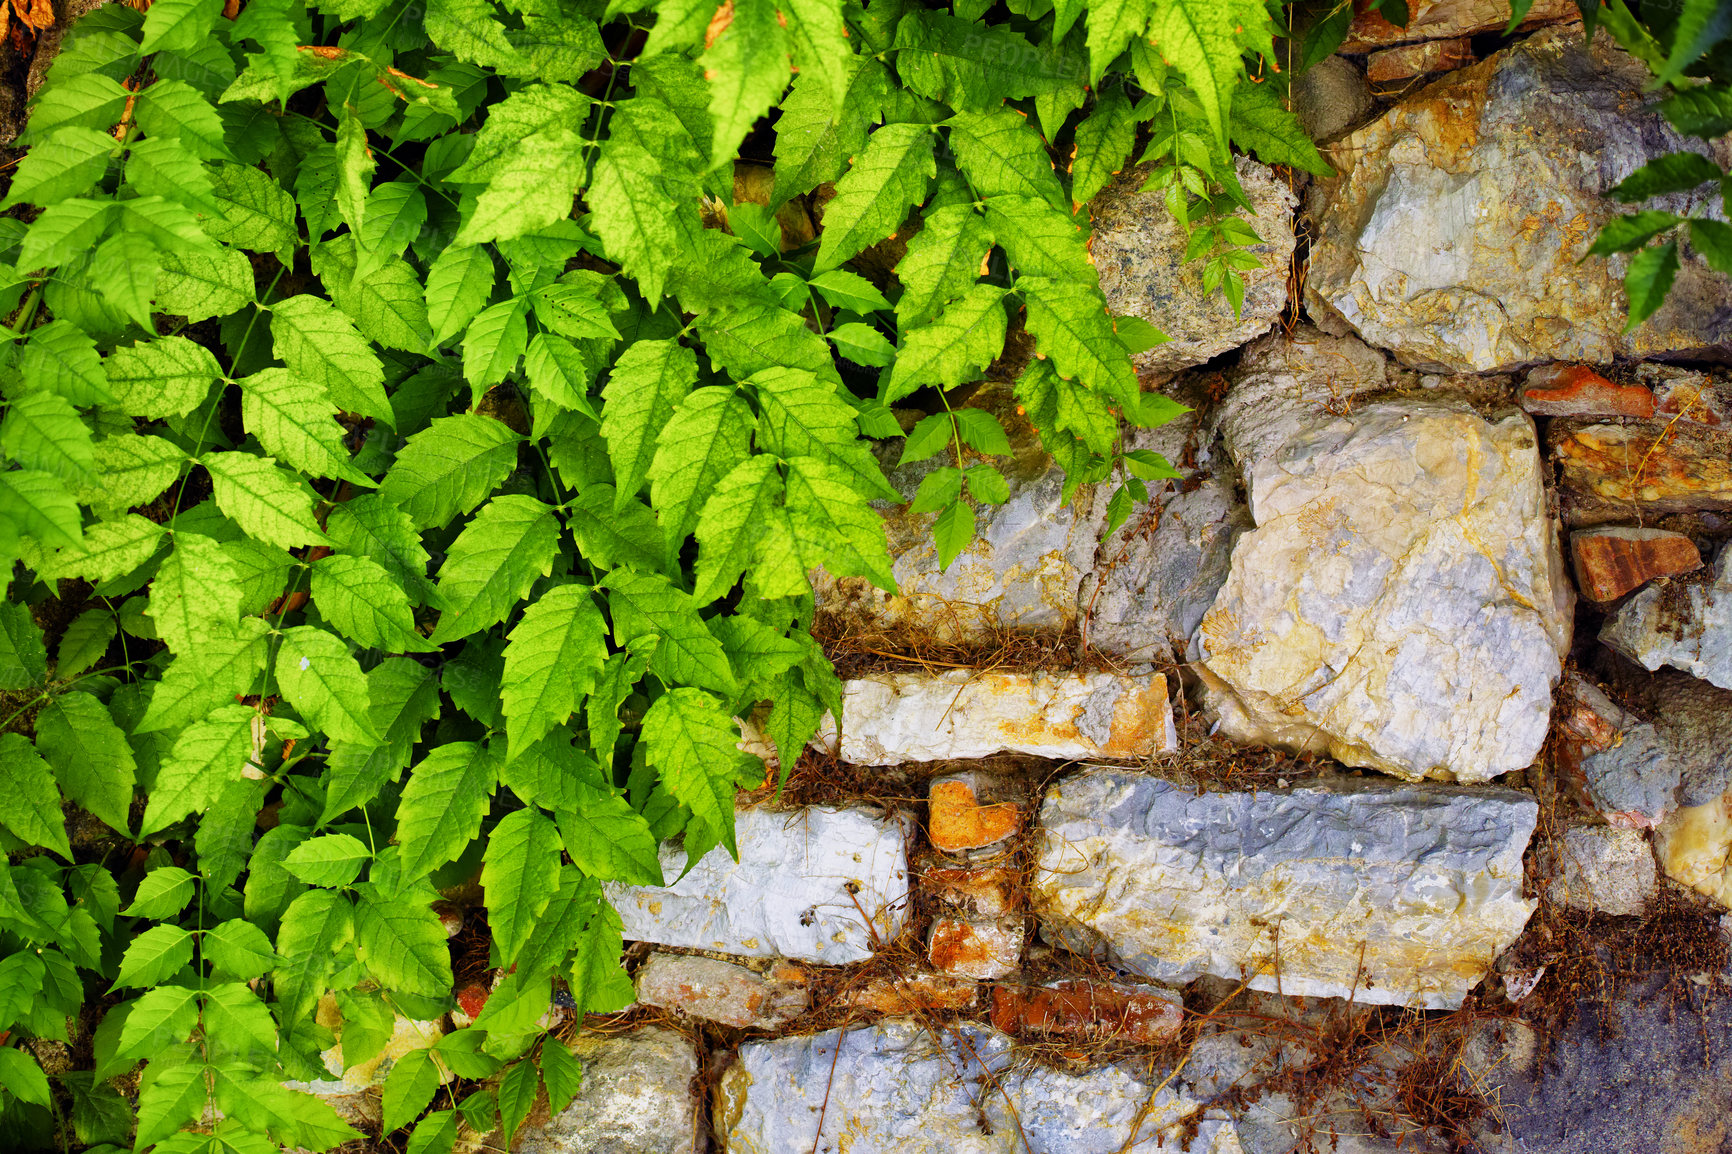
{"x":912,"y":993}
{"x":1612,"y":562}
{"x":957,"y":821}
{"x":1578,"y":391}
{"x":1089,"y":1010}
{"x":964,"y":948}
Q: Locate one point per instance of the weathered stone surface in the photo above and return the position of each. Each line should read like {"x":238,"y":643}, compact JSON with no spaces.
{"x":986,"y":891}
{"x":912,"y":994}
{"x":798,"y":890}
{"x":1402,"y":602}
{"x":637,"y":1097}
{"x":1393,"y":65}
{"x":1604,"y":869}
{"x":898,"y":1086}
{"x":1657,"y":466}
{"x":1687,"y":625}
{"x":1694,"y":720}
{"x":962,"y":814}
{"x":1090,"y":1011}
{"x":897,"y":717}
{"x":1283,"y":381}
{"x":1615,"y":759}
{"x":1331,"y":97}
{"x":1451,"y":233}
{"x":1577,"y":391}
{"x":1610,"y":562}
{"x":718,"y":991}
{"x":1140,"y":249}
{"x":1430,"y":19}
{"x":406,"y":1034}
{"x":1687,"y":394}
{"x":976,"y":948}
{"x":1395,"y":895}
{"x":1694,"y":846}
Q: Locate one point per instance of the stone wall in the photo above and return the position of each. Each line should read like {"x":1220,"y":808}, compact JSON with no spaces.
{"x":1296,"y":809}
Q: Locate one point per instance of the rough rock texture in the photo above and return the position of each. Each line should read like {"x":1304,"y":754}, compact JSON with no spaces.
{"x":1685,"y":625}
{"x":986,"y":891}
{"x":1393,"y":65}
{"x":1648,"y":466}
{"x":797,"y":891}
{"x":1394,"y":895}
{"x":1610,"y":562}
{"x":718,"y":991}
{"x":898,"y":717}
{"x":1613,"y":760}
{"x":1402,"y":602}
{"x":1451,"y":234}
{"x":1694,"y":846}
{"x":1431,"y":19}
{"x":637,"y":1097}
{"x":1605,"y":869}
{"x":1139,"y":249}
{"x":978,"y":948}
{"x":1577,"y":391}
{"x":1687,"y":394}
{"x":406,"y":1034}
{"x":897,"y":1086}
{"x":964,"y":815}
{"x":912,"y":994}
{"x":1093,"y":1011}
{"x":1331,"y":97}
{"x":1694,"y":720}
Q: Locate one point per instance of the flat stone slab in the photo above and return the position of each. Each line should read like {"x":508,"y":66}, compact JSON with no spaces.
{"x":788,"y":895}
{"x":1399,"y":895}
{"x":898,"y":717}
{"x":637,"y":1097}
{"x":1686,"y":626}
{"x":899,"y":1087}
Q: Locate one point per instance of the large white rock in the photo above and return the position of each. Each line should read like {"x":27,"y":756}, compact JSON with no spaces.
{"x":1687,"y":625}
{"x":1451,"y":232}
{"x":1398,"y":895}
{"x":1402,"y":602}
{"x":803,"y":879}
{"x":896,"y":717}
{"x":898,"y":1087}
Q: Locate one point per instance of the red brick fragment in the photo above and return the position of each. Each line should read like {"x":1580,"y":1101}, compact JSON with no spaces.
{"x":965,"y":948}
{"x":913,"y":993}
{"x":1577,"y":391}
{"x":1612,"y":562}
{"x":958,"y":822}
{"x":1089,"y":1010}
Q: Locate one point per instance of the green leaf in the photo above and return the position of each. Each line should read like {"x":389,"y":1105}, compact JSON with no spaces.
{"x":294,"y":419}
{"x":200,"y":285}
{"x":409,"y":1088}
{"x":88,"y":751}
{"x":493,"y":563}
{"x":459,"y":281}
{"x":171,"y":1095}
{"x":831,"y":524}
{"x":64,"y":232}
{"x":517,"y":1092}
{"x":975,"y":67}
{"x":745,"y":60}
{"x":1259,"y":124}
{"x":618,"y":677}
{"x":1002,"y":155}
{"x":747,"y":338}
{"x":237,"y":951}
{"x":1103,"y":144}
{"x":222,"y":667}
{"x":252,"y":211}
{"x":363,"y":602}
{"x":551,"y":663}
{"x":403,"y":945}
{"x":166,"y":377}
{"x":1674,"y":172}
{"x":66,"y":164}
{"x":561,"y":1073}
{"x":60,"y":359}
{"x":800,"y":416}
{"x":89,"y":100}
{"x":320,"y":344}
{"x":84,"y":642}
{"x":23,"y":1078}
{"x":874,"y":195}
{"x":1713,"y":239}
{"x":124,"y":268}
{"x":862,"y":344}
{"x":442,"y":806}
{"x":848,"y":290}
{"x":322,"y":680}
{"x":1701,"y":24}
{"x":611,"y":841}
{"x":178,"y":25}
{"x":1648,"y":280}
{"x":519,"y":875}
{"x":686,"y":653}
{"x":331,"y":861}
{"x":560,"y":372}
{"x":1201,"y":38}
{"x":494,"y":341}
{"x":355,"y":166}
{"x":608,"y":539}
{"x":316,"y":925}
{"x":154,"y":956}
{"x":1071,"y":324}
{"x":952,"y":532}
{"x":175,"y":110}
{"x":953,"y":349}
{"x":164,"y":167}
{"x":987,"y":485}
{"x":819,"y":36}
{"x":42,"y":431}
{"x":1631,"y":231}
{"x":943,"y":261}
{"x":29,"y":802}
{"x":816,"y":135}
{"x":1703,"y":111}
{"x":164,"y":893}
{"x":205,"y":758}
{"x":271,"y":504}
{"x":707,"y":434}
{"x":237,"y":1016}
{"x":36,"y":504}
{"x":371,"y":527}
{"x":732,"y":535}
{"x":384,"y":299}
{"x":644,"y":191}
{"x":648,"y":381}
{"x":693,"y":742}
{"x":450,"y":467}
{"x":23,"y":656}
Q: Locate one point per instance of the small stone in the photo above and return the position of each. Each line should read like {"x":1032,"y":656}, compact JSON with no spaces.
{"x":637,"y":1097}
{"x":1391,"y":65}
{"x":898,"y":717}
{"x":1430,"y":19}
{"x":406,"y":1034}
{"x":989,"y":891}
{"x":1391,"y":895}
{"x":1331,"y":97}
{"x":1694,"y":846}
{"x":912,"y":994}
{"x":1560,"y":390}
{"x":957,"y":821}
{"x":1605,"y":869}
{"x":450,"y":918}
{"x":718,"y":991}
{"x":1685,"y":625}
{"x":1090,"y":1011}
{"x":979,"y":949}
{"x":805,"y":884}
{"x":1655,"y":466}
{"x":1611,"y":562}
{"x":899,"y":1086}
{"x":1687,"y":394}
{"x":1694,"y":720}
{"x":471,"y":1000}
{"x":1615,"y":760}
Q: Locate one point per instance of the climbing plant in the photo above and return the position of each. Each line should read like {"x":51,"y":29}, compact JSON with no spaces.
{"x":421,"y":420}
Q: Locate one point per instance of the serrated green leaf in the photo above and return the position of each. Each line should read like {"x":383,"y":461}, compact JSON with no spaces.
{"x":384,"y":299}
{"x":1071,"y":324}
{"x":561,"y":1073}
{"x":706,"y":435}
{"x":1103,"y":144}
{"x":252,"y":211}
{"x":372,"y":527}
{"x":124,"y":268}
{"x":331,"y":861}
{"x":409,"y":1088}
{"x":294,"y":419}
{"x":29,"y":802}
{"x":686,"y":653}
{"x":84,"y":642}
{"x":693,"y":743}
{"x":952,"y":532}
{"x":60,"y":359}
{"x":164,"y":893}
{"x":205,"y":757}
{"x":732,"y":531}
{"x":644,"y":191}
{"x":199,"y":285}
{"x":874,"y":195}
{"x":178,"y":25}
{"x":1648,"y":280}
{"x":222,"y":667}
{"x":554,"y":655}
{"x":163,"y":167}
{"x":1003,"y":156}
{"x":610,"y":841}
{"x":36,"y":504}
{"x":1260,"y":125}
{"x":833,"y":525}
{"x":237,"y":951}
{"x":975,"y":67}
{"x":196,"y":593}
{"x":66,"y":164}
{"x":362,"y":601}
{"x":450,"y":467}
{"x":88,"y":100}
{"x":322,"y":680}
{"x":88,"y":751}
{"x":442,"y":806}
{"x":492,"y":564}
{"x":494,"y":341}
{"x":816,"y":135}
{"x":270,"y":503}
{"x":175,"y":110}
{"x":943,"y":261}
{"x":1674,"y":172}
{"x":154,"y":955}
{"x":459,"y":281}
{"x":320,"y":344}
{"x":314,"y":927}
{"x":647,"y":383}
{"x":748,"y":338}
{"x":43,"y":431}
{"x":519,"y":874}
{"x":953,"y":349}
{"x":166,"y":377}
{"x":745,"y":60}
{"x":402,"y":944}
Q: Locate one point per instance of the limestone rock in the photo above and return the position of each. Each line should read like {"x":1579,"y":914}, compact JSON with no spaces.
{"x":798,"y":890}
{"x":1284,"y":381}
{"x":1687,"y":394}
{"x":978,"y":948}
{"x":718,"y":991}
{"x":1411,"y":61}
{"x":1647,"y":466}
{"x":1140,"y":251}
{"x":1694,"y":720}
{"x":1615,"y":759}
{"x":1605,"y":869}
{"x":1431,"y":19}
{"x":1611,"y":562}
{"x":1394,"y":895}
{"x":1401,"y":603}
{"x":1451,"y":233}
{"x":898,"y":717}
{"x":1331,"y":97}
{"x":1687,"y":625}
{"x":898,"y":1086}
{"x":637,"y":1097}
{"x":1090,"y":1011}
{"x":1577,"y":391}
{"x":984,"y":891}
{"x":1694,"y":846}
